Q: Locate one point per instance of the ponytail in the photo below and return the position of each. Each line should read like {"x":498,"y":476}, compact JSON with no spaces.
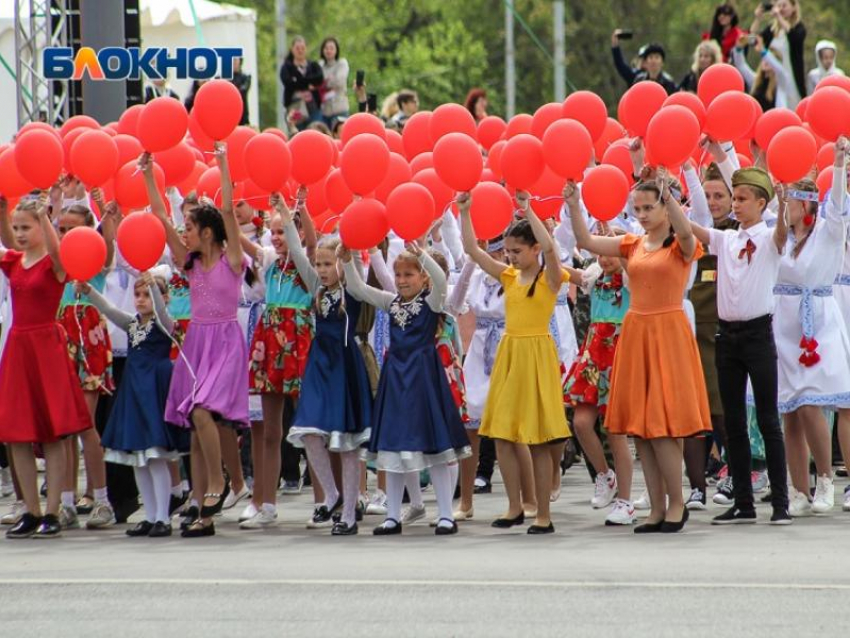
{"x":533,"y":287}
{"x":670,"y":238}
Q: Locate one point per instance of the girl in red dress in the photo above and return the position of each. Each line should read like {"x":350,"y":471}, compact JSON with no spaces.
{"x":40,"y":396}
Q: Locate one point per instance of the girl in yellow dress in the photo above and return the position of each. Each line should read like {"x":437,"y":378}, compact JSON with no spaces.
{"x":525,"y":405}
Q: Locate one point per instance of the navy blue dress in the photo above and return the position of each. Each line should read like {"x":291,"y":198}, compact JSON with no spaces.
{"x":136,"y":431}
{"x":336,"y":401}
{"x":416,"y":422}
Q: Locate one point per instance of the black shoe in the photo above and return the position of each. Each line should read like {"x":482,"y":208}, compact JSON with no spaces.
{"x":384,"y":530}
{"x":198,"y":529}
{"x":324,"y":517}
{"x":343,"y":529}
{"x":358,"y":513}
{"x":142,"y":529}
{"x":83,"y":508}
{"x":25,"y":527}
{"x":735,"y":516}
{"x":445,"y":531}
{"x":712,"y":468}
{"x":176,"y":502}
{"x":125,"y":509}
{"x":49,"y":527}
{"x":768,"y":497}
{"x":505,"y":523}
{"x":160,"y":530}
{"x":649,"y":528}
{"x":483,"y":489}
{"x":208,"y":511}
{"x":668,"y":527}
{"x":780,"y":516}
{"x":539,"y":529}
{"x":191,"y":515}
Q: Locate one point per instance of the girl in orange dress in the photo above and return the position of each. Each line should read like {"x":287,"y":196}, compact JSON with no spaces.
{"x":658,"y":393}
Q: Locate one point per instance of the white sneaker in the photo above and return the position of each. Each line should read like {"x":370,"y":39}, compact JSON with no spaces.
{"x":759,"y":481}
{"x":7,"y":487}
{"x":824,"y":495}
{"x":605,"y":491}
{"x":725,"y":494}
{"x":263,"y":518}
{"x":622,"y":513}
{"x":846,"y":506}
{"x":696,"y":501}
{"x":234,"y":497}
{"x":248,"y":513}
{"x":68,"y":518}
{"x":643,"y":502}
{"x":800,"y":505}
{"x":16,"y":510}
{"x":377,"y":504}
{"x":101,"y":516}
{"x":412,"y":514}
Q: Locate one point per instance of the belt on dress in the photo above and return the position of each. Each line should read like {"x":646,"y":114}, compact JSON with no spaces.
{"x":807,"y":311}
{"x":494,"y":328}
{"x":842,"y":280}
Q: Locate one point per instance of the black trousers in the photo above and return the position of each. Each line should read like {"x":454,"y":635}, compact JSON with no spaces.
{"x":747,"y":349}
{"x":290,"y":466}
{"x":486,"y":459}
{"x":120,"y":479}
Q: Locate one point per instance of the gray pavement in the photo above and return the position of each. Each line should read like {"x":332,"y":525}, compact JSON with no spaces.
{"x":586,"y":580}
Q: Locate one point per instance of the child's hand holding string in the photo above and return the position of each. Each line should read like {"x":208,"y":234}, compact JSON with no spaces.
{"x":281,"y":208}
{"x":571,"y":194}
{"x":343,"y":253}
{"x":522,"y":200}
{"x":147,"y":278}
{"x":464,"y":203}
{"x":81,"y":288}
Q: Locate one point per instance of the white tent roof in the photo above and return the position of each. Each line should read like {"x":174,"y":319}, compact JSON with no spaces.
{"x":159,"y":12}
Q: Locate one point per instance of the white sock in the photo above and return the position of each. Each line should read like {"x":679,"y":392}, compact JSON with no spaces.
{"x":177,"y":491}
{"x":441,"y":478}
{"x":411,"y":482}
{"x":68,"y":500}
{"x":350,"y":486}
{"x":162,"y":488}
{"x":100,"y":495}
{"x":395,"y":492}
{"x":144,"y":482}
{"x":320,"y":461}
{"x":271,"y":508}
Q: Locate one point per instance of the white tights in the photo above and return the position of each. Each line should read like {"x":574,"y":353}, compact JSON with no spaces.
{"x":320,"y":461}
{"x":444,"y":487}
{"x":154,"y":483}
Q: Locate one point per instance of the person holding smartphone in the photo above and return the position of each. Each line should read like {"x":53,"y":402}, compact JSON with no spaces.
{"x":301,"y":80}
{"x":786,"y":37}
{"x":652,"y":63}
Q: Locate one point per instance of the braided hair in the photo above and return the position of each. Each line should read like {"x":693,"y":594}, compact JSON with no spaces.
{"x":652,"y":187}
{"x":207,"y":216}
{"x":522,"y":232}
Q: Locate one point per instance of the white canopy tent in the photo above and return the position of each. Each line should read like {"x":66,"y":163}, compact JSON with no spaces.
{"x":164,"y":23}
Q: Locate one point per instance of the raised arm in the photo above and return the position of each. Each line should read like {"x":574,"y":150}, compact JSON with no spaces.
{"x":451,"y":236}
{"x":358,"y":288}
{"x":609,"y":246}
{"x":51,"y":239}
{"x":108,"y":224}
{"x":118,"y":317}
{"x":780,"y":232}
{"x":835,"y":209}
{"x":699,"y":212}
{"x":491,"y":266}
{"x":551,"y":256}
{"x":7,"y":237}
{"x":296,"y":250}
{"x":311,"y":239}
{"x":456,"y":303}
{"x":235,"y":256}
{"x":178,"y":249}
{"x":160,"y":308}
{"x":439,"y":284}
{"x":740,"y":63}
{"x":680,"y":223}
{"x":382,"y":272}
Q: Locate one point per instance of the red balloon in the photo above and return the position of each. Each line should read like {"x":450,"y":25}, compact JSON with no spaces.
{"x":494,"y":158}
{"x":128,"y":123}
{"x":567,"y":148}
{"x":277,"y":132}
{"x":548,"y":188}
{"x":128,"y":147}
{"x":639,"y":104}
{"x":589,"y":109}
{"x":826,"y":156}
{"x":818,"y":139}
{"x":791,"y":154}
{"x":364,"y":224}
{"x":201,"y":140}
{"x":742,"y":147}
{"x":605,"y":191}
{"x":317,"y":203}
{"x":236,"y":143}
{"x":360,"y":123}
{"x":490,"y":130}
{"x":441,"y":193}
{"x":801,"y":109}
{"x":840,"y":81}
{"x":422,"y":161}
{"x":416,"y":134}
{"x":824,"y":182}
{"x":518,"y":125}
{"x":690,"y":102}
{"x":522,"y":161}
{"x":209,"y":185}
{"x":364,"y":163}
{"x":12,"y":183}
{"x":29,"y":126}
{"x":82,"y":253}
{"x":458,"y":161}
{"x":544,"y":117}
{"x":489,"y":176}
{"x":410,"y":211}
{"x":78,"y":121}
{"x":255,"y":196}
{"x":451,"y":118}
{"x":394,"y":141}
{"x":718,"y":79}
{"x":141,"y":239}
{"x":618,"y":155}
{"x":772,"y":122}
{"x":268,"y":161}
{"x":613,"y":131}
{"x":218,"y":108}
{"x":38,"y":156}
{"x":68,"y":143}
{"x":94,"y":158}
{"x":672,"y":135}
{"x":312,"y":156}
{"x":191,"y":182}
{"x":491,"y":210}
{"x":828,"y":112}
{"x":744,"y":161}
{"x":111,"y":131}
{"x":729,"y":116}
{"x":758,"y":111}
{"x":162,"y":124}
{"x":130,"y":191}
{"x":177,"y":163}
{"x":327,"y":222}
{"x":398,"y":173}
{"x":337,"y":193}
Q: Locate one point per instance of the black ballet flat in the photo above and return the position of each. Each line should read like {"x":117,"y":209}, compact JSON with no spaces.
{"x":539,"y":529}
{"x":383,"y":530}
{"x":160,"y":530}
{"x":198,"y":530}
{"x":343,"y":529}
{"x":142,"y":529}
{"x":190,"y":516}
{"x":671,"y":528}
{"x":443,"y":530}
{"x":648,"y":528}
{"x":505,"y":523}
{"x":208,"y":511}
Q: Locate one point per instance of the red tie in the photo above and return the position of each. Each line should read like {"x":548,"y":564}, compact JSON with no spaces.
{"x":748,"y":250}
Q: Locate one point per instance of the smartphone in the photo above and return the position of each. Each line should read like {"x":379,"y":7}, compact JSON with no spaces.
{"x":753,"y":40}
{"x":767,"y":6}
{"x":626,"y":35}
{"x":361,"y":75}
{"x":372,"y":102}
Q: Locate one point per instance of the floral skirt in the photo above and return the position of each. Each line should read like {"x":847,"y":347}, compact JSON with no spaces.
{"x":588,"y":381}
{"x":179,"y":334}
{"x":279,"y":350}
{"x":89,"y":347}
{"x":454,"y":375}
